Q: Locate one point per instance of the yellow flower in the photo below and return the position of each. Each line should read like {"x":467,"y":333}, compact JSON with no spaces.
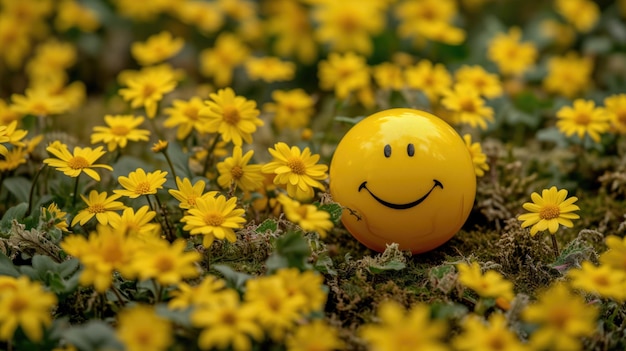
{"x":80,"y":161}
{"x":432,"y":80}
{"x":205,"y":16}
{"x":562,"y":34}
{"x":490,"y":284}
{"x":269,"y":69}
{"x":58,"y":216}
{"x":219,"y":62}
{"x":27,"y":305}
{"x":202,"y":294}
{"x":10,"y":134}
{"x":583,"y":14}
{"x":234,"y":117}
{"x":214,"y":218}
{"x":141,"y":183}
{"x":136,"y":224}
{"x":399,"y":329}
{"x":309,"y":284}
{"x":292,"y":108}
{"x":105,"y":251}
{"x":479,"y":159}
{"x":348,"y":25}
{"x":159,"y":146}
{"x":568,"y":75}
{"x":549,"y":210}
{"x":12,"y":159}
{"x":467,"y":105}
{"x":512,"y":56}
{"x":226,"y":322}
{"x":277,"y":311}
{"x":429,"y":19}
{"x":314,"y":336}
{"x":142,"y":11}
{"x":615,"y":106}
{"x":388,"y":76}
{"x":147,"y":88}
{"x":562,"y":319}
{"x":604,"y":280}
{"x":345,"y":74}
{"x":120,"y":129}
{"x":51,"y":59}
{"x":494,"y":336}
{"x":289,"y":21}
{"x":296,"y":169}
{"x":7,"y":113}
{"x":236,"y":170}
{"x":487,"y":84}
{"x":14,"y":40}
{"x":615,"y":256}
{"x":166,"y":263}
{"x":99,"y":205}
{"x":140,"y":328}
{"x":38,"y":102}
{"x":71,"y":13}
{"x":156,"y":48}
{"x":186,"y":194}
{"x":583,"y":119}
{"x":308,"y":217}
{"x":187,"y":117}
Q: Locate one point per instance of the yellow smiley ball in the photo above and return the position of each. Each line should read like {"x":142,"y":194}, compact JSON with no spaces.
{"x":403,"y":176}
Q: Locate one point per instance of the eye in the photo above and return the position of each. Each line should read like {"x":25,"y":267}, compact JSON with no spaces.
{"x":387,"y":150}
{"x":410,"y":149}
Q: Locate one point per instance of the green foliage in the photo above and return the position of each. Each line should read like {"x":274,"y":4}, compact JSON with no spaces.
{"x":94,"y":335}
{"x":61,"y":278}
{"x":291,"y":250}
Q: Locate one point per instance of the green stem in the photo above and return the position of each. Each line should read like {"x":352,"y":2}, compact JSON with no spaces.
{"x":150,"y":204}
{"x":120,"y":300}
{"x":156,"y":129}
{"x":158,"y":290}
{"x":165,"y":225}
{"x":75,"y":191}
{"x":31,"y":193}
{"x":555,"y":246}
{"x":169,"y":162}
{"x":209,"y":155}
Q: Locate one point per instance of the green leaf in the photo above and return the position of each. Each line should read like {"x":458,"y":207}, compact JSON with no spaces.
{"x":92,"y":336}
{"x":448,"y":311}
{"x":335,"y":211}
{"x":16,"y":212}
{"x":392,"y":265}
{"x":349,"y":120}
{"x":19,"y":187}
{"x":325,"y":264}
{"x":267,"y":225}
{"x":7,"y":267}
{"x":235,"y":280}
{"x":291,"y":250}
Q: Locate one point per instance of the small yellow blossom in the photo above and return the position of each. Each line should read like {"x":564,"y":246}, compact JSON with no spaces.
{"x":292,"y":108}
{"x":345,"y":74}
{"x":491,"y":284}
{"x":467,"y":106}
{"x":388,"y":76}
{"x":479,"y":159}
{"x":549,"y":210}
{"x":582,"y":14}
{"x":308,"y":217}
{"x":214,"y":217}
{"x":140,"y":328}
{"x":186,"y":193}
{"x":604,"y":280}
{"x":140,"y":183}
{"x":615,"y":256}
{"x":166,"y":263}
{"x":236,"y":171}
{"x":58,"y":216}
{"x":568,"y":75}
{"x":10,"y":134}
{"x":72,"y":13}
{"x":147,"y":88}
{"x":202,"y":294}
{"x":429,"y":20}
{"x":205,"y":16}
{"x":314,"y":336}
{"x":289,"y":21}
{"x":218,"y":62}
{"x":432,"y":79}
{"x":38,"y":101}
{"x":119,"y":130}
{"x":137,"y":224}
{"x":492,"y":336}
{"x":269,"y":69}
{"x":615,"y":106}
{"x":100,"y":205}
{"x":487,"y":84}
{"x":512,"y":56}
{"x":187,"y":117}
{"x":80,"y":161}
{"x":583,"y":118}
{"x":157,"y":48}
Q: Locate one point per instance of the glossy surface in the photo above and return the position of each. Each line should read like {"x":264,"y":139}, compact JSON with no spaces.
{"x":404,"y":176}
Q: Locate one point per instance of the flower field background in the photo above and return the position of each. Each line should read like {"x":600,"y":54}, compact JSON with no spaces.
{"x":164,"y":174}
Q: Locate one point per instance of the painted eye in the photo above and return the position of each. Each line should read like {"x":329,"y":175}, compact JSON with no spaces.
{"x":410,"y":149}
{"x":387,"y":150}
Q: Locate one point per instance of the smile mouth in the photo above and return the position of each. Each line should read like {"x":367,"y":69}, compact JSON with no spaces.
{"x":401,"y":206}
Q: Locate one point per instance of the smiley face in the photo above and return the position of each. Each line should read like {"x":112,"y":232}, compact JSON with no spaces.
{"x":403,"y":176}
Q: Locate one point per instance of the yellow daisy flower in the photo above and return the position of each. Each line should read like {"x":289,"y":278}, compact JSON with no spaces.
{"x":27,"y":305}
{"x":219,"y":61}
{"x":615,"y":106}
{"x":7,"y":113}
{"x":510,"y":54}
{"x":12,"y":159}
{"x":186,"y":116}
{"x":140,"y":328}
{"x":479,"y":159}
{"x":72,"y":14}
{"x":269,"y":69}
{"x":81,"y":160}
{"x":234,"y":117}
{"x":99,"y":205}
{"x":141,"y":183}
{"x":10,"y":134}
{"x":236,"y":170}
{"x":432,"y":79}
{"x":429,"y":19}
{"x":487,"y":84}
{"x":308,"y":217}
{"x":38,"y":101}
{"x":57,"y":215}
{"x":156,"y":48}
{"x":604,"y":280}
{"x":568,"y":75}
{"x":615,"y":256}
{"x":186,"y":193}
{"x":159,"y":146}
{"x":292,"y":108}
{"x":297,"y":170}
{"x":583,"y":119}
{"x":345,"y":74}
{"x":136,"y":224}
{"x":582,"y":14}
{"x":291,"y":24}
{"x":147,"y":88}
{"x":316,"y":335}
{"x":120,"y":129}
{"x":494,"y":336}
{"x":186,"y":295}
{"x":166,"y":263}
{"x":490,"y":284}
{"x":467,"y":106}
{"x":388,"y":76}
{"x":549,"y":210}
{"x":214,"y":217}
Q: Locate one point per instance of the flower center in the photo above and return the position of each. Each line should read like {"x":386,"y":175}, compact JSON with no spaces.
{"x":559,"y":317}
{"x":296,"y":165}
{"x":496,"y":343}
{"x":78,"y":162}
{"x":236,"y":172}
{"x":349,"y":23}
{"x":119,"y":130}
{"x":164,"y":264}
{"x":601,"y":280}
{"x":214,"y":219}
{"x":549,"y":212}
{"x":97,"y":208}
{"x":229,"y":318}
{"x":621,"y":117}
{"x":148,"y":90}
{"x":142,"y":188}
{"x":192,"y":113}
{"x":583,"y":118}
{"x":231,"y":114}
{"x":467,"y":105}
{"x":18,"y":304}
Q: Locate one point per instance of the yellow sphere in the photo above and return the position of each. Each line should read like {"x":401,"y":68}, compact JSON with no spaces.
{"x":403,"y":176}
